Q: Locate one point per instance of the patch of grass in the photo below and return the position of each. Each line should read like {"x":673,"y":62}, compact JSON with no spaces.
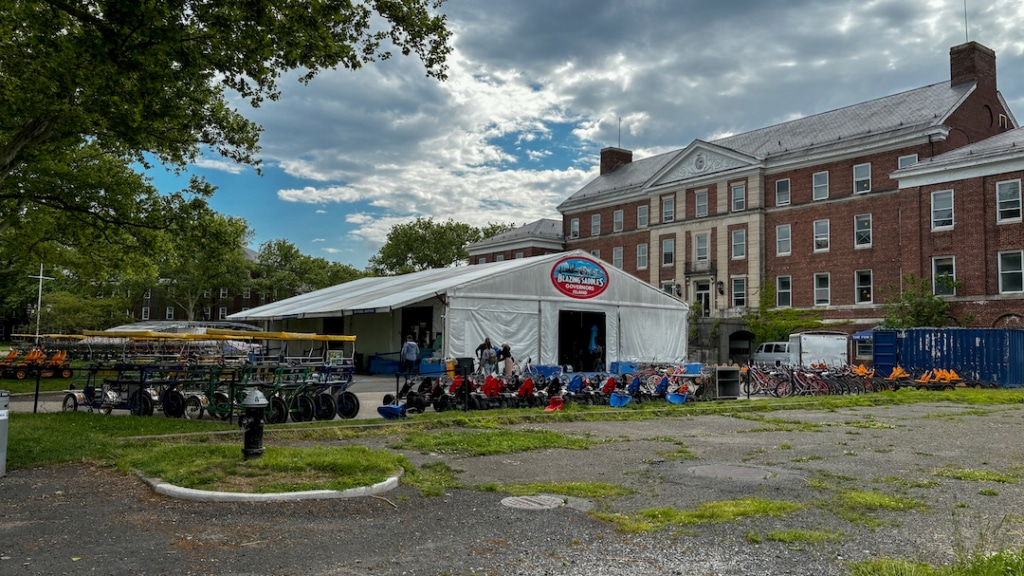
{"x":487,"y":442}
{"x":973,"y":475}
{"x":905,"y":483}
{"x":705,"y":513}
{"x":857,"y":505}
{"x":680,"y":453}
{"x":785,"y":447}
{"x":221,"y":467}
{"x":432,"y":479}
{"x":592,"y":490}
{"x":1004,"y":563}
{"x":807,"y":458}
{"x":988,"y":492}
{"x":802,"y":536}
{"x":780,"y":424}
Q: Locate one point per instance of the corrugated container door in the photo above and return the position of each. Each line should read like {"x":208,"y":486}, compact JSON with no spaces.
{"x":884,"y":352}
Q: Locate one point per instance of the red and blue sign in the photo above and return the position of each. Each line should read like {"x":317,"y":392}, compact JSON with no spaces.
{"x":579,"y":277}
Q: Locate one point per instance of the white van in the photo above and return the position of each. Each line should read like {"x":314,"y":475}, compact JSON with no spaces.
{"x":771,"y":354}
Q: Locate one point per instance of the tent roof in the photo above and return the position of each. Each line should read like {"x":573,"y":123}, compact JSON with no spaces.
{"x":384,"y":294}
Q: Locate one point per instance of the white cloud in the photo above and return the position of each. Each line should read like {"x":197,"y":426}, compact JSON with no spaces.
{"x":221,"y":165}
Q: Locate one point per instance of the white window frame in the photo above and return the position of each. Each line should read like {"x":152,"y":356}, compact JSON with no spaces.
{"x":859,"y":234}
{"x":783,"y":194}
{"x":574,"y":228}
{"x":668,"y":251}
{"x":862,"y":184}
{"x":642,"y":215}
{"x":246,"y":292}
{"x":938,"y":287}
{"x":207,"y":293}
{"x":668,"y":209}
{"x":207,"y":313}
{"x":595,"y":224}
{"x":617,"y":257}
{"x":641,"y":256}
{"x":783,"y":233}
{"x":819,"y":185}
{"x":700,"y":200}
{"x":596,"y":253}
{"x":145,"y":312}
{"x":822,"y":240}
{"x":518,"y":255}
{"x":147,"y":294}
{"x":169,"y":313}
{"x":858,"y":287}
{"x":940,"y":221}
{"x":1008,"y":186}
{"x":739,"y":244}
{"x":617,"y":221}
{"x":738,"y":197}
{"x":481,"y":260}
{"x":499,"y":258}
{"x":906,"y":160}
{"x":739,"y":292}
{"x":222,"y":313}
{"x":701,"y":248}
{"x":819,"y":291}
{"x":1017,"y":271}
{"x":779,"y":291}
{"x":223,"y":292}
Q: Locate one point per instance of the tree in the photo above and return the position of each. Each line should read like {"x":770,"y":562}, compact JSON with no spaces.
{"x":89,"y":88}
{"x":201,"y":254}
{"x":283,"y":271}
{"x":770,"y":323}
{"x":424,"y":244}
{"x":915,"y":304}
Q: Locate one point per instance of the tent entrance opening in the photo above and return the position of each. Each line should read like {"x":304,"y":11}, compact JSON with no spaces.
{"x":417,"y":321}
{"x":581,"y":340}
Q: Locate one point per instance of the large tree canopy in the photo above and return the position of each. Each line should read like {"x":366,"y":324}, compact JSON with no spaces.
{"x":283,"y":271}
{"x":423,"y":244}
{"x":89,"y":88}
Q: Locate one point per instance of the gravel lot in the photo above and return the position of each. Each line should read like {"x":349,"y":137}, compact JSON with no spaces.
{"x":80,"y":519}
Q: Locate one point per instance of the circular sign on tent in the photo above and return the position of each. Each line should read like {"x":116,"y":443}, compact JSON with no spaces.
{"x":578,"y":277}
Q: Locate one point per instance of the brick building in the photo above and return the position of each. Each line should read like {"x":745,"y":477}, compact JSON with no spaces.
{"x":534,"y":239}
{"x":813,"y":208}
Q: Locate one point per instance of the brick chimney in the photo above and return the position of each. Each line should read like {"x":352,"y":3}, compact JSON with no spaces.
{"x":972,"y":61}
{"x":612,"y":158}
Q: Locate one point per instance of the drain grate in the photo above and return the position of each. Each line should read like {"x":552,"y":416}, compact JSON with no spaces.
{"x":533,"y":502}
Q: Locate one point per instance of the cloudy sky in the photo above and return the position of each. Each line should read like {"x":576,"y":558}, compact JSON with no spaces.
{"x":537,"y":87}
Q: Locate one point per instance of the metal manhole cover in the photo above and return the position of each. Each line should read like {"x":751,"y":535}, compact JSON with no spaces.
{"x":533,"y":502}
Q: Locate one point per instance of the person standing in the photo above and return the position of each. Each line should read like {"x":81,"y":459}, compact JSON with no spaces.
{"x":409,"y":355}
{"x":486,"y":357}
{"x":505,"y":356}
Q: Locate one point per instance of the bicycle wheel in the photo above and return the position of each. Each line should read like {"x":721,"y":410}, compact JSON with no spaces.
{"x":325,"y":407}
{"x":277,"y":411}
{"x":302,"y":408}
{"x":70,"y":403}
{"x":193,"y":408}
{"x":174,"y":404}
{"x":221,"y":405}
{"x":142,"y":404}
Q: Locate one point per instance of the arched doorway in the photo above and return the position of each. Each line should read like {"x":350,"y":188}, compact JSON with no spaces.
{"x":741,"y":346}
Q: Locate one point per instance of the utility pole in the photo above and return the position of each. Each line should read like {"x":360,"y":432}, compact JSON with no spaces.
{"x":39,"y":299}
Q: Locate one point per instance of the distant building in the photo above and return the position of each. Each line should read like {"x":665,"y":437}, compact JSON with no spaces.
{"x":534,"y":239}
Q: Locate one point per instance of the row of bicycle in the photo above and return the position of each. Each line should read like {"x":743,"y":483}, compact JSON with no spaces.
{"x":297,"y":392}
{"x":784,"y":381}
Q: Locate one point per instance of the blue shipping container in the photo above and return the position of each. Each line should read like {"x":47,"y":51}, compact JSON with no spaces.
{"x":983,"y":354}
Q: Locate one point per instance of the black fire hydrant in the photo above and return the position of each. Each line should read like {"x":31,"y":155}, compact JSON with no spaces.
{"x":254,"y":405}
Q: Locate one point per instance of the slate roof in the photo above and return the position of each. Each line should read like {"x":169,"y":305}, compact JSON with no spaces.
{"x":906,"y":112}
{"x":545,"y":228}
{"x":1006,"y":144}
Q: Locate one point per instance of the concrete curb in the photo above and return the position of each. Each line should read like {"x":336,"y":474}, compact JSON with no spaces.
{"x":173,"y":491}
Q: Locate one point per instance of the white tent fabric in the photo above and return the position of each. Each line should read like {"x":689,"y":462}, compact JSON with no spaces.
{"x":513,"y":301}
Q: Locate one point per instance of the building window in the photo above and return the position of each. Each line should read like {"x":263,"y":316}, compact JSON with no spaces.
{"x":944,"y":276}
{"x":862,"y":231}
{"x":641,"y":216}
{"x":863,"y":281}
{"x":223,"y":292}
{"x":942,"y":209}
{"x":739,"y":244}
{"x":617,"y":257}
{"x":207,"y":313}
{"x":1011,"y":274}
{"x":701,"y":204}
{"x":700,"y":247}
{"x":574,"y":228}
{"x":222,"y":313}
{"x":862,"y":178}
{"x":669,"y":287}
{"x":207,"y":293}
{"x":783,"y":240}
{"x":1008,"y":199}
{"x":784,"y":291}
{"x":481,"y":260}
{"x":617,"y":221}
{"x":739,"y":292}
{"x":908,"y":160}
{"x":865,"y":348}
{"x":739,"y":197}
{"x":596,"y":253}
{"x":782,"y":192}
{"x":821,"y":236}
{"x":702,"y":295}
{"x":595,"y":225}
{"x":820,"y":184}
{"x":499,"y":258}
{"x":145,"y":312}
{"x":822,"y":294}
{"x":641,"y":256}
{"x":668,"y":209}
{"x":169,"y":313}
{"x":518,"y":255}
{"x":147,"y":294}
{"x":246,"y":292}
{"x":668,"y":251}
